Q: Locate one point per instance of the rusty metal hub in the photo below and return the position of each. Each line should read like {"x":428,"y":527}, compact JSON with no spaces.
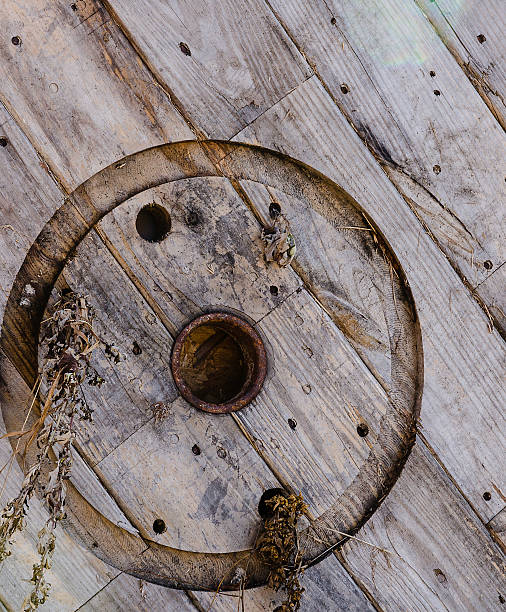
{"x":219,"y":363}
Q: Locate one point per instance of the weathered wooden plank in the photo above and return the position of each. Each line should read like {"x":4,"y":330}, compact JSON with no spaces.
{"x":492,"y":292}
{"x":76,"y":574}
{"x":473,"y":31}
{"x":307,"y":419}
{"x":463,"y":399}
{"x":497,"y":526}
{"x":28,"y":197}
{"x":128,"y":593}
{"x":326,"y":588}
{"x":212,"y":258}
{"x":78,"y":88}
{"x":226,"y":62}
{"x":140,"y":379}
{"x":206,"y":499}
{"x":344,"y":277}
{"x":410,"y":103}
{"x":441,"y":556}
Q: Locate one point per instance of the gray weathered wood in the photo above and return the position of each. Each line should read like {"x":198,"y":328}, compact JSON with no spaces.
{"x":447,"y":562}
{"x":28,"y":197}
{"x":128,"y":593}
{"x":241,"y":61}
{"x":447,"y":435}
{"x":78,"y":89}
{"x":463,"y":398}
{"x":76,"y":573}
{"x":443,"y":152}
{"x":474,"y":33}
{"x":492,"y":292}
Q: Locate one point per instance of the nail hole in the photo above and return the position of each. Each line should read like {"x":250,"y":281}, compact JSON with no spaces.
{"x":136,"y":349}
{"x":274,"y":210}
{"x":153,"y":223}
{"x":432,"y":73}
{"x":196,"y":449}
{"x":481,"y":38}
{"x":333,"y":21}
{"x":436,"y":169}
{"x":487,"y":496}
{"x":73,"y":7}
{"x":193,"y":218}
{"x":440,"y":576}
{"x":263,"y":509}
{"x":437,"y":92}
{"x":344,"y":88}
{"x":3,"y":142}
{"x":185,"y":48}
{"x":274,"y":290}
{"x":15,"y":40}
{"x":159,"y":526}
{"x":362,"y":430}
{"x":488,"y":265}
{"x":53,"y":87}
{"x":292,"y":423}
{"x":95,"y":544}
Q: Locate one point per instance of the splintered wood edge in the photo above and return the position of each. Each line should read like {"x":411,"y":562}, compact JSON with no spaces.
{"x":19,"y":340}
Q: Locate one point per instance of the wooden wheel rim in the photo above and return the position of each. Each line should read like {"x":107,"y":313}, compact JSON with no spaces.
{"x":88,"y":204}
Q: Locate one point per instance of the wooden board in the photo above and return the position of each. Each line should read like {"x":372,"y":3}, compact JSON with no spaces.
{"x":448,"y":562}
{"x":76,"y":573}
{"x":451,"y":415}
{"x":73,"y":164}
{"x":474,"y":33}
{"x":80,"y":92}
{"x":235,"y":62}
{"x":28,"y":197}
{"x":383,"y":64}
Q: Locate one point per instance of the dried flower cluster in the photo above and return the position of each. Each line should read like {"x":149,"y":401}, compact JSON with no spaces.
{"x":70,"y":340}
{"x":279,"y":243}
{"x":278,"y":549}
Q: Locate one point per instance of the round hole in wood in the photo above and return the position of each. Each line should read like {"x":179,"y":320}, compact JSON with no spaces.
{"x":153,"y":223}
{"x":159,"y":526}
{"x":219,"y":363}
{"x":263,"y":507}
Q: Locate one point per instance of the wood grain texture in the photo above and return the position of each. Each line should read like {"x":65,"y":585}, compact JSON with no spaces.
{"x":408,"y":100}
{"x":296,"y":387}
{"x":473,"y":31}
{"x":78,"y":89}
{"x":236,"y":64}
{"x":447,"y":562}
{"x":28,"y":197}
{"x":492,"y":292}
{"x":76,"y":573}
{"x":326,"y":588}
{"x":463,"y":399}
{"x":497,"y":527}
{"x":153,"y":452}
{"x":212,"y":258}
{"x":347,"y":277}
{"x":128,"y":593}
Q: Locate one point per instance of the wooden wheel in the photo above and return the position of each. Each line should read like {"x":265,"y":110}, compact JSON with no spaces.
{"x":339,"y":325}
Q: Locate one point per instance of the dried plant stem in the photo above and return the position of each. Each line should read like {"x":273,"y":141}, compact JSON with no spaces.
{"x":70,"y":341}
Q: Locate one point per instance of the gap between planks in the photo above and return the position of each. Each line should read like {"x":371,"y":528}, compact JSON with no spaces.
{"x":386,"y":166}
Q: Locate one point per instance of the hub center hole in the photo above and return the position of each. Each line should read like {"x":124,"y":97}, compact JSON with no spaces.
{"x":213,"y":364}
